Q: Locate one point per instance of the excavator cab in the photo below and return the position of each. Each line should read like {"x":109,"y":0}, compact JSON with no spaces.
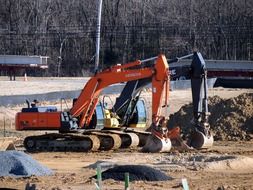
{"x":132,"y":109}
{"x":98,"y":117}
{"x":106,"y":118}
{"x":139,"y":118}
{"x":129,"y":109}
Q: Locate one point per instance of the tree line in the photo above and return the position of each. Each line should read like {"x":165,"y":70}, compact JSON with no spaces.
{"x":130,"y":29}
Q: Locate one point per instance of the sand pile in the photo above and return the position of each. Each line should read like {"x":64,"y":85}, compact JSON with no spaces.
{"x":19,"y":164}
{"x":230,"y":119}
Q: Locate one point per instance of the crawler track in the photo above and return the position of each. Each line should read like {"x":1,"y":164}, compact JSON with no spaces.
{"x":62,"y":142}
{"x":88,"y":141}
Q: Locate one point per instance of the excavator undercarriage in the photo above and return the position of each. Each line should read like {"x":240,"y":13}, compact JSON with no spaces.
{"x":90,"y":126}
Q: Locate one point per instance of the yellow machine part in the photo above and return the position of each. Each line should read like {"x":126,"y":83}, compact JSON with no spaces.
{"x":138,"y":125}
{"x":111,"y":120}
{"x":111,"y":123}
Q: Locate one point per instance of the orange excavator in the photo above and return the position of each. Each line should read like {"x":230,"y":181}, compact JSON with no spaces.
{"x":78,"y":129}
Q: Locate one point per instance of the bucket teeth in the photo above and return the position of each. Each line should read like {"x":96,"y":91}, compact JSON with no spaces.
{"x":179,"y":145}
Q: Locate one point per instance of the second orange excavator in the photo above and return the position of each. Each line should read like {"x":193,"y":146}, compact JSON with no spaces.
{"x":90,"y":126}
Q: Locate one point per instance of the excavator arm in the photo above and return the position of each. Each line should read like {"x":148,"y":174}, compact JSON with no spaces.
{"x":126,"y":104}
{"x":86,"y":103}
{"x":201,"y":136}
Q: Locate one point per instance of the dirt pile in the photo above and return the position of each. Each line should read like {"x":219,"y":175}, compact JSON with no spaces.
{"x":136,"y":173}
{"x":230,"y":119}
{"x":242,"y":163}
{"x":204,"y":161}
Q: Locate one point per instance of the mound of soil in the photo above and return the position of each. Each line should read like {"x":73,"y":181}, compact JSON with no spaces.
{"x":230,"y":119}
{"x":236,"y":163}
{"x":136,"y":173}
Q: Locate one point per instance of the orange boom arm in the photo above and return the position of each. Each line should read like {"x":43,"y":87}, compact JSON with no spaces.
{"x":87,"y":100}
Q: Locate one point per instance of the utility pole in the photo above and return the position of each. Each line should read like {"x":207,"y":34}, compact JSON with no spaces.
{"x":100,"y":2}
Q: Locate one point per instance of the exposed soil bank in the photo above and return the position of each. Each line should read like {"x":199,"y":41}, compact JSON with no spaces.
{"x":230,"y":119}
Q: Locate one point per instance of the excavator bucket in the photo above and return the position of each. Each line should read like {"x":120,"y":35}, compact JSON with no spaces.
{"x":156,"y":144}
{"x":158,"y":141}
{"x":177,"y":141}
{"x":172,"y":139}
{"x":199,"y":140}
{"x":179,"y":145}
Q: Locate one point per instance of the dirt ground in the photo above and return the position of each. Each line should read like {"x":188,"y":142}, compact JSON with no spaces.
{"x":72,"y":169}
{"x":227,"y":165}
{"x":36,"y":85}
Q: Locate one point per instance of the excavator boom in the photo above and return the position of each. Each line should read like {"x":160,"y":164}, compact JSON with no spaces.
{"x":88,"y":99}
